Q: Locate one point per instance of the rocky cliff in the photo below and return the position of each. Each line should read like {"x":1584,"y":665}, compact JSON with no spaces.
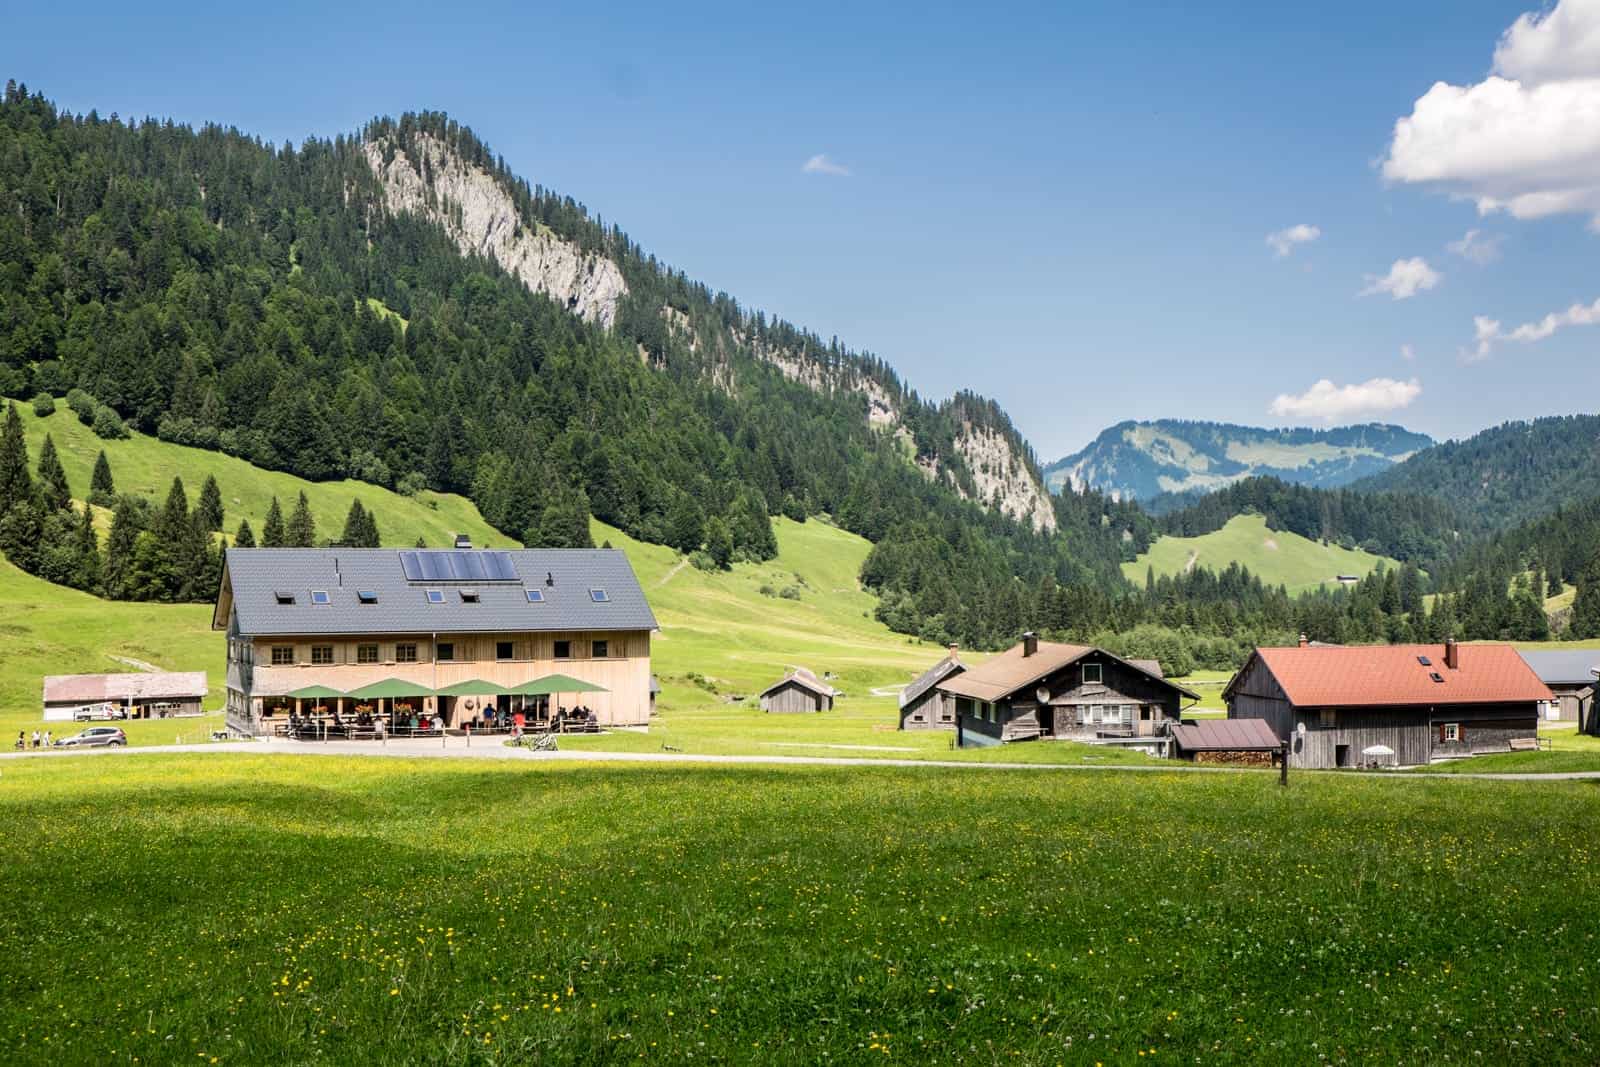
{"x":483,"y":220}
{"x":1005,"y":480}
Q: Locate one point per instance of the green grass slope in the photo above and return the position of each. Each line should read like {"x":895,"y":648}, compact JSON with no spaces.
{"x":1276,"y":557}
{"x":146,"y":466}
{"x":249,"y":910}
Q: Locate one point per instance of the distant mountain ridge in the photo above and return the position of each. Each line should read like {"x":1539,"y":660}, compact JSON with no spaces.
{"x":1141,"y":460}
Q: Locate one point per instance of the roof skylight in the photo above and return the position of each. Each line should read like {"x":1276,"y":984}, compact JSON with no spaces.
{"x":436,"y":596}
{"x":535,"y":596}
{"x":367,"y":596}
{"x":599,"y":596}
{"x":320,"y":596}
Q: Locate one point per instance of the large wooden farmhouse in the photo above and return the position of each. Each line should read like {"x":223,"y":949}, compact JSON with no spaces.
{"x":1038,"y":689}
{"x":1406,"y":704}
{"x":453,"y":633}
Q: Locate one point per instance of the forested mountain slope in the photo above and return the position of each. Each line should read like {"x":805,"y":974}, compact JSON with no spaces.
{"x":1144,"y":460}
{"x":1505,"y":475}
{"x":312,"y":310}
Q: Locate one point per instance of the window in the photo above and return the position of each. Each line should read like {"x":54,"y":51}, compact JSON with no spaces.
{"x":406,"y":653}
{"x":1144,"y":714}
{"x":322,"y":655}
{"x":535,"y":596}
{"x":1436,"y":676}
{"x":469,"y":596}
{"x":599,"y":596}
{"x":503,"y":650}
{"x":283,"y":596}
{"x":563,"y":650}
{"x":367,"y":596}
{"x":320,"y":596}
{"x":436,"y":596}
{"x":366,"y":653}
{"x":1091,"y":674}
{"x":282,"y":655}
{"x":1329,"y":718}
{"x":1452,"y":731}
{"x":600,"y":649}
{"x":444,"y":652}
{"x":1425,"y":661}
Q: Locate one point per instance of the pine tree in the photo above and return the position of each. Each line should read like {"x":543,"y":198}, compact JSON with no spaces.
{"x":360,"y":528}
{"x":102,"y":490}
{"x":246,"y":537}
{"x":302,"y":529}
{"x":564,"y":524}
{"x":88,"y":552}
{"x":210,"y":505}
{"x":16,"y":486}
{"x":685,"y":524}
{"x":120,"y":547}
{"x":1586,"y":604}
{"x":53,"y":490}
{"x":273,"y":534}
{"x":174,"y":531}
{"x":719,"y":542}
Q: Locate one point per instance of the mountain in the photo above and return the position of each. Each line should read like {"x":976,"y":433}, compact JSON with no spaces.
{"x":1142,"y":460}
{"x":396,"y":306}
{"x":1507,"y":474}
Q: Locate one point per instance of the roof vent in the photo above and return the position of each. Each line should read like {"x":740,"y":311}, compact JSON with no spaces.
{"x":463,"y":541}
{"x":549,"y":578}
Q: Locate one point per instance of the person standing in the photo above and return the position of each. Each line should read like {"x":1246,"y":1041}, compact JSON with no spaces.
{"x":22,"y":741}
{"x":36,"y":739}
{"x":47,"y":741}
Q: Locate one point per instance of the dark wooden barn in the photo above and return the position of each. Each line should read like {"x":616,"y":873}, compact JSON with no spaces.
{"x":798,"y":691}
{"x":1570,"y":674}
{"x":1405,"y":704}
{"x":923,"y":705}
{"x":1039,"y":689}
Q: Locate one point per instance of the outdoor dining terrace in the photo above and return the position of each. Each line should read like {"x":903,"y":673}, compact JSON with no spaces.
{"x":396,"y":707}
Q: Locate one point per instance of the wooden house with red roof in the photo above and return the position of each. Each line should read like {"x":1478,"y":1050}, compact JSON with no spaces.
{"x":1343,"y":706}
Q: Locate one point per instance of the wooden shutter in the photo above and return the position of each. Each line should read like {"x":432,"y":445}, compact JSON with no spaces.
{"x":1441,"y":733}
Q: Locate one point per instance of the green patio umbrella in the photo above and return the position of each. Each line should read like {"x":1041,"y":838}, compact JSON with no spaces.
{"x":316,"y":692}
{"x":473,"y":687}
{"x":391,"y":688}
{"x":556,"y":683}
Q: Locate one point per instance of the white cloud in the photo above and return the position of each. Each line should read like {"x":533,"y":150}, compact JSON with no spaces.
{"x":1526,"y":139}
{"x":1284,"y":240}
{"x":1324,"y":400}
{"x":1477,"y":247}
{"x":1488,"y":332}
{"x":821,"y":164}
{"x":1406,"y":278}
{"x":1408,"y":353}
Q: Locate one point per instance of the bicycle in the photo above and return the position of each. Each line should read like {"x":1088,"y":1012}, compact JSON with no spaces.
{"x":538,"y":742}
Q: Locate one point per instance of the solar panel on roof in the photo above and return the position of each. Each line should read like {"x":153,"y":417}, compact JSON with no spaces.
{"x":457,"y":565}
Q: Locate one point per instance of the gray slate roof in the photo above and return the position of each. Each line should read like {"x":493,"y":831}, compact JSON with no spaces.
{"x":1564,"y":666}
{"x":805,"y":680}
{"x":255,"y":575}
{"x":930,"y":678}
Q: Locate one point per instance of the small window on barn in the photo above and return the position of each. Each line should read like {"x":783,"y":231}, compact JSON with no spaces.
{"x":599,"y":596}
{"x":436,"y":596}
{"x":600,"y":649}
{"x":1452,"y":731}
{"x":469,"y":596}
{"x":366,"y":653}
{"x":1091,"y":674}
{"x":282,"y":655}
{"x":1436,"y":676}
{"x":1329,"y":717}
{"x":320,"y":596}
{"x":504,"y":650}
{"x":367,"y":596}
{"x":563,"y":650}
{"x":322,"y":655}
{"x":444,"y":652}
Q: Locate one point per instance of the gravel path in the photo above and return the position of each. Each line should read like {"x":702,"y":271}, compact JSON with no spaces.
{"x":457,"y":748}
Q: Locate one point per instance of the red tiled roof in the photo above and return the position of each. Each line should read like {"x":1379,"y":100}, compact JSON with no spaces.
{"x":64,"y":688}
{"x":1387,"y":675}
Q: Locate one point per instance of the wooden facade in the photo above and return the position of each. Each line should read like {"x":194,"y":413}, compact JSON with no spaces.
{"x":1337,"y":736}
{"x":1079,"y":694}
{"x":923,"y":705}
{"x":261,"y":669}
{"x":794,"y":695}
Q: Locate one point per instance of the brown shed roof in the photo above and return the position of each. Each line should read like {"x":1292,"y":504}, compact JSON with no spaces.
{"x":1226,"y":735}
{"x":92,"y":688}
{"x":806,"y":680}
{"x":930,"y":678}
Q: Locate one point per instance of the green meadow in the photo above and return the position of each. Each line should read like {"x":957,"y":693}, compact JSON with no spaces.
{"x":1277,"y":557}
{"x":245,"y":909}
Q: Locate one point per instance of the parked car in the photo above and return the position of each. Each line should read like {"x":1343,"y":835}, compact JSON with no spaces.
{"x":100,"y":712}
{"x":95,"y":735}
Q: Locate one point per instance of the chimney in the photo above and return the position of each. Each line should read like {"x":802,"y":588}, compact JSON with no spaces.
{"x":955,"y":651}
{"x":1030,"y":643}
{"x":1304,"y":641}
{"x":463,"y":541}
{"x":1452,"y":654}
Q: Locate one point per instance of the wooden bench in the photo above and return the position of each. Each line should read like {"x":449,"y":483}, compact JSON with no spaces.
{"x":1529,"y":744}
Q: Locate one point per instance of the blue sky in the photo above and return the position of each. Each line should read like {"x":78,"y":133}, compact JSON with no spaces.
{"x":1065,"y":207}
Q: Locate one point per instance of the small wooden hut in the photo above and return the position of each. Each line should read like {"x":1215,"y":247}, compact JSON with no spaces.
{"x":798,"y":691}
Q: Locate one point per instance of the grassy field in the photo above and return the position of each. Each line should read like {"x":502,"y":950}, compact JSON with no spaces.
{"x":1569,"y":751}
{"x":1275,"y":556}
{"x":241,"y":909}
{"x":146,"y":466}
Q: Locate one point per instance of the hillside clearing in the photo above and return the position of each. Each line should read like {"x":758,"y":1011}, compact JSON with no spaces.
{"x":1277,"y":557}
